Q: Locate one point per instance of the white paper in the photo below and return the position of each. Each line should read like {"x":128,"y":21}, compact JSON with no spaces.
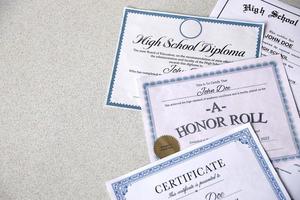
{"x":231,"y":166}
{"x":289,"y":172}
{"x":282,"y":35}
{"x":154,"y":43}
{"x":196,"y":105}
{"x":279,"y":36}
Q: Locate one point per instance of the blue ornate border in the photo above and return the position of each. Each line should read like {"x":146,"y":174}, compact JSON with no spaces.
{"x":159,"y":14}
{"x":244,"y":136}
{"x":272,"y":64}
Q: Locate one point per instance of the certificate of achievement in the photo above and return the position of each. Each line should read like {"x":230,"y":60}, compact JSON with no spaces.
{"x":282,"y":35}
{"x":196,"y":105}
{"x":154,"y":43}
{"x":231,"y":166}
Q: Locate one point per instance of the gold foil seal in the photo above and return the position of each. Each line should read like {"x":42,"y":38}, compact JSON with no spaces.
{"x":165,"y":146}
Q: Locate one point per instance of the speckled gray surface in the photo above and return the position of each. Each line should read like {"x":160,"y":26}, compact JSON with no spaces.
{"x":57,"y":140}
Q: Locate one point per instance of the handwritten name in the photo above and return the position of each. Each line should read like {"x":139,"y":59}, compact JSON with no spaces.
{"x":216,"y":196}
{"x":206,"y":90}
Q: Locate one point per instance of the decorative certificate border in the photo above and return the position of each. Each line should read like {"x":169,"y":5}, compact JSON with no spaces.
{"x":174,"y":16}
{"x":120,"y":188}
{"x":238,"y":69}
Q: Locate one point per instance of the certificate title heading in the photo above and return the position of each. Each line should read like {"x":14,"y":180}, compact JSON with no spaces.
{"x":209,"y":49}
{"x":274,"y":14}
{"x":189,"y":176}
{"x":219,"y":121}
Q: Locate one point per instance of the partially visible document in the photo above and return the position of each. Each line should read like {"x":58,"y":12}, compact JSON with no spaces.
{"x":196,"y":105}
{"x":282,"y":34}
{"x":231,"y":166}
{"x":289,"y":172}
{"x":152,"y":43}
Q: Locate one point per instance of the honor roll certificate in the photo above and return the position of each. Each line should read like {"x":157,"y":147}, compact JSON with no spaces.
{"x":197,"y":105}
{"x":282,"y":35}
{"x":233,"y":166}
{"x":155,"y":43}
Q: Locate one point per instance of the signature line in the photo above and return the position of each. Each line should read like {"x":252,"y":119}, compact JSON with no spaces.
{"x":232,"y":193}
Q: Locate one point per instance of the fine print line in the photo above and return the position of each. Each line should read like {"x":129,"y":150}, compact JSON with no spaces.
{"x":292,"y":63}
{"x":180,"y":98}
{"x":283,"y":170}
{"x":232,"y":193}
{"x":265,"y":141}
{"x":295,"y":50}
{"x":226,"y":90}
{"x":200,"y":189}
{"x":211,"y":184}
{"x":185,"y":195}
{"x":248,"y":86}
{"x":276,"y":149}
{"x":298,"y":167}
{"x":282,"y":53}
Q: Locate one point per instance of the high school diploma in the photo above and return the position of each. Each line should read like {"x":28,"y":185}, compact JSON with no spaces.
{"x":155,"y":43}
